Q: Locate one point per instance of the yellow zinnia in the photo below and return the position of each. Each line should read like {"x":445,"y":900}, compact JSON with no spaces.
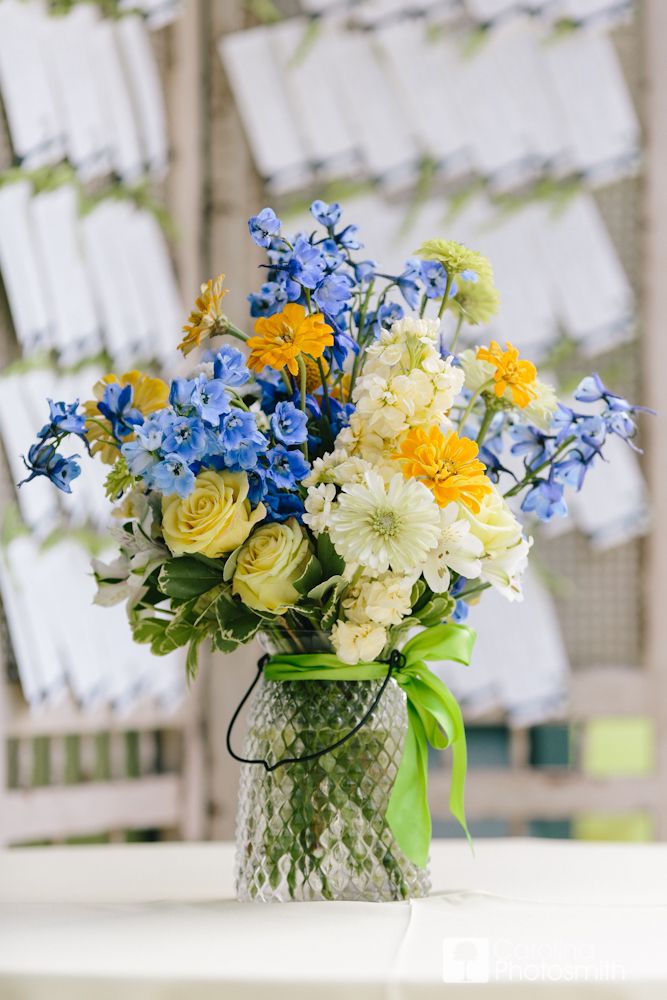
{"x":511,"y":372}
{"x":207,"y":318}
{"x":148,"y":395}
{"x":447,"y":464}
{"x":283,"y":337}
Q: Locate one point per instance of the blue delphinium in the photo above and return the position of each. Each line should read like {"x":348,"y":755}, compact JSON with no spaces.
{"x":545,"y":499}
{"x":229,"y":366}
{"x":327,"y":215}
{"x":263,"y":227}
{"x":270,"y":299}
{"x":116,"y":406}
{"x":44,"y":460}
{"x":281,"y":505}
{"x":333,"y":293}
{"x":185,"y":437}
{"x":173,"y":475}
{"x":209,"y":398}
{"x":289,"y":424}
{"x":287,"y":467}
{"x":64,"y":419}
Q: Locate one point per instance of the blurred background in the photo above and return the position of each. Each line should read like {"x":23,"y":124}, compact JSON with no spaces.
{"x":135,"y":141}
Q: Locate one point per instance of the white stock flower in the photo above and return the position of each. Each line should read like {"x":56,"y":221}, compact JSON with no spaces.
{"x":384,"y":600}
{"x":411,"y":342}
{"x":337,"y":466}
{"x":385,"y":527}
{"x":318,"y":506}
{"x":354,"y":642}
{"x":459,"y":550}
{"x":505,"y":548}
{"x":476,"y":372}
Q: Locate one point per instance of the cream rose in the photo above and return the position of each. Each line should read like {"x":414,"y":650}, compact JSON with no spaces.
{"x":505,"y":549}
{"x":214,"y":519}
{"x":267,"y":565}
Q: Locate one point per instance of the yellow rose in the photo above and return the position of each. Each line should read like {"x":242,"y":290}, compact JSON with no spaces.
{"x":271,"y":560}
{"x":215,"y":518}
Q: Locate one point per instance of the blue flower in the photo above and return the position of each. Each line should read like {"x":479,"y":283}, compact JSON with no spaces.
{"x":256,"y":485}
{"x":185,"y":437}
{"x":143,"y":452}
{"x":63,"y":419}
{"x":408,"y":283}
{"x":326,"y":215}
{"x":210,"y":399}
{"x":572,"y":470}
{"x":270,"y":299}
{"x":434,"y":277}
{"x":173,"y":475}
{"x":545,"y":500}
{"x":333,"y":293}
{"x":348,"y":238}
{"x":388,"y":313}
{"x":461,"y":611}
{"x":281,"y":506}
{"x":306,"y":263}
{"x":591,"y":389}
{"x":116,"y":406}
{"x":273,"y":389}
{"x":286,"y":468}
{"x":230,"y":367}
{"x":239,"y":427}
{"x":263,"y":227}
{"x":289,"y":425}
{"x":180,"y":393}
{"x":364,"y":271}
{"x":529,"y":442}
{"x":332,"y":254}
{"x":44,"y":460}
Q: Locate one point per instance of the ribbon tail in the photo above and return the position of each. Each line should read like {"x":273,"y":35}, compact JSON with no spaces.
{"x":459,"y":762}
{"x":408,"y":814}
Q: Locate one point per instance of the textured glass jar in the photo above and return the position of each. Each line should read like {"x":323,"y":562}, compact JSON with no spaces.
{"x":316,"y":830}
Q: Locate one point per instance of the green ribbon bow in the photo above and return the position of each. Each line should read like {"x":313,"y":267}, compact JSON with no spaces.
{"x":434,"y":717}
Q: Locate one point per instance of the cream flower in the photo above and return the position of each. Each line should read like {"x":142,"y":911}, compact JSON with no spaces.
{"x":318,"y":506}
{"x":214,"y":519}
{"x":505,"y":549}
{"x":337,"y":467}
{"x":385,"y":527}
{"x":476,"y":372}
{"x":410,"y":342}
{"x":268,"y":565}
{"x":384,"y":600}
{"x":459,"y":550}
{"x":354,"y":642}
{"x":540,"y":411}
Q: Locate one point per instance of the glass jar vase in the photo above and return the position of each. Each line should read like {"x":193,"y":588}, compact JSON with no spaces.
{"x":316,"y":830}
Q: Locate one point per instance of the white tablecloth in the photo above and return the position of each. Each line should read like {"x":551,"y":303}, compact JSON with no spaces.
{"x":522,"y":918}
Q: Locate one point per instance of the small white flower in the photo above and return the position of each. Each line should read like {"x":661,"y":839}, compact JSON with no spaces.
{"x":354,"y":642}
{"x":505,"y":548}
{"x":459,"y":550}
{"x":318,"y":506}
{"x":385,"y":527}
{"x":384,"y":600}
{"x":476,"y":372}
{"x":338,"y":466}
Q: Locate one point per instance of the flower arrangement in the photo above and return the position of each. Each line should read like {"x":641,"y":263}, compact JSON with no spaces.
{"x":342,"y":477}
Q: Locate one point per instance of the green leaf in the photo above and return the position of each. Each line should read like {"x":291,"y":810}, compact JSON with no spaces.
{"x":187,"y":577}
{"x":436,"y":610}
{"x":332,"y":564}
{"x":236,"y":622}
{"x":192,"y":658}
{"x":147,"y":629}
{"x":311,"y":576}
{"x":319,"y":592}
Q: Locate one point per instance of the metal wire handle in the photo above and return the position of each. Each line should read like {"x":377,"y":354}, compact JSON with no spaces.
{"x":395,"y":662}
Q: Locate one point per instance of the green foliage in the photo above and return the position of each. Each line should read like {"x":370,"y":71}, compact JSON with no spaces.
{"x":332,"y":564}
{"x":189,"y":576}
{"x":236,"y":622}
{"x":119,"y":480}
{"x":310,"y":577}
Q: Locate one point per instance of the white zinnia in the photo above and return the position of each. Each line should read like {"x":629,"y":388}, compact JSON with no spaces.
{"x":354,"y":642}
{"x":318,"y":506}
{"x":385,"y":527}
{"x":459,"y":550}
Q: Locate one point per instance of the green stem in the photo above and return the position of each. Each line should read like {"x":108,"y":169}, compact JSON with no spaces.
{"x":325,"y":389}
{"x":422,"y":305}
{"x":473,"y":399}
{"x":456,"y":334}
{"x":303,"y":380}
{"x":233,"y":331}
{"x":288,"y":384}
{"x":486,"y":420}
{"x":477,"y":589}
{"x":445,"y":297}
{"x":535,"y":472}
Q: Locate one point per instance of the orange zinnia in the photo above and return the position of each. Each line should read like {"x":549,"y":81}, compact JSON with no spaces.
{"x":207,"y":318}
{"x":447,"y":464}
{"x":282,"y":338}
{"x":519,"y":376}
